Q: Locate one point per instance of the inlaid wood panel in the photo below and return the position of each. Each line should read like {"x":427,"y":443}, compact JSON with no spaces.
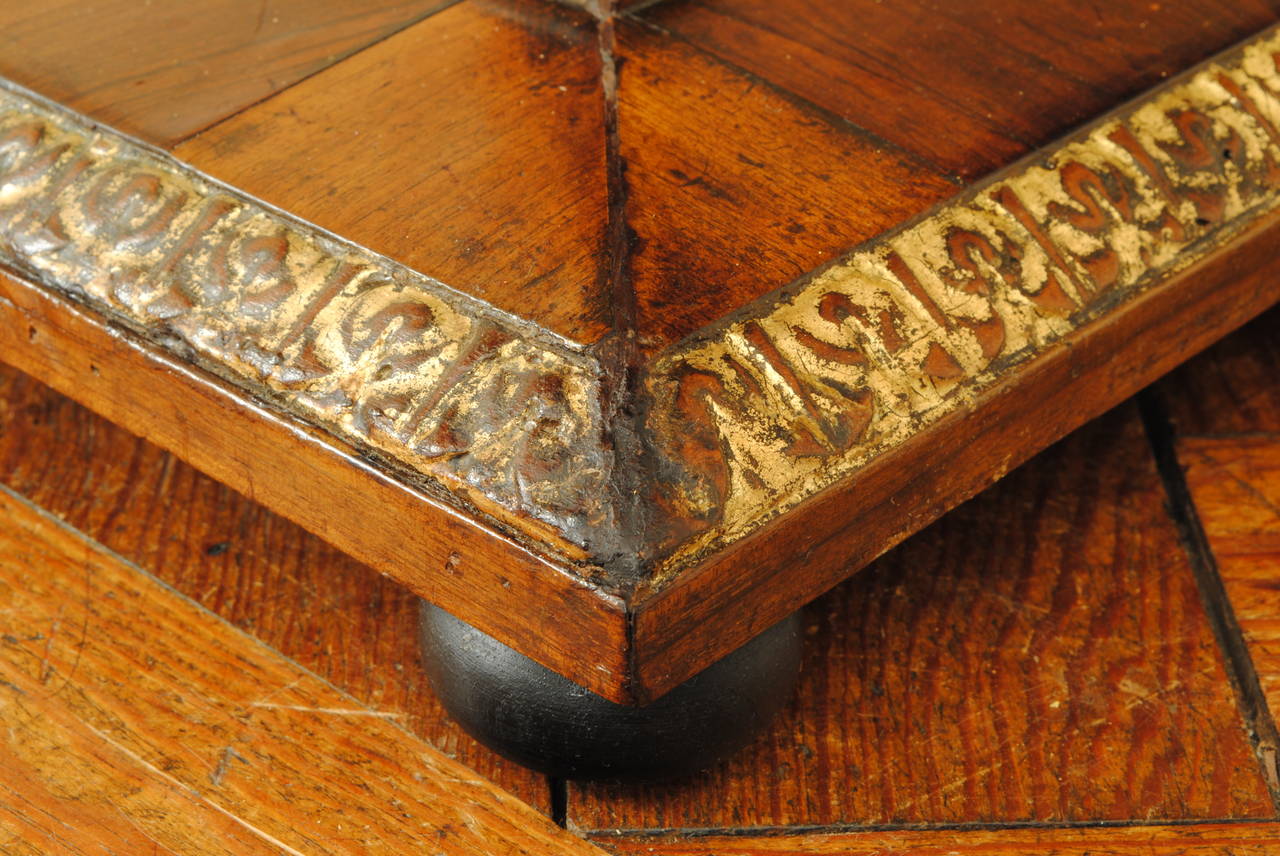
{"x":1040,"y":654}
{"x":166,"y":69}
{"x":123,"y":703}
{"x":1235,"y":839}
{"x":733,"y":190}
{"x":267,"y":576}
{"x":469,"y":147}
{"x":968,"y":86}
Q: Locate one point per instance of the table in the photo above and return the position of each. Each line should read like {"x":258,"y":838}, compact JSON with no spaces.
{"x":1107,"y":684}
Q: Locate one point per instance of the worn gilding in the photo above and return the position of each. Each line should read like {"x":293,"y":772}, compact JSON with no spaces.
{"x":471,"y":403}
{"x":750,"y":417}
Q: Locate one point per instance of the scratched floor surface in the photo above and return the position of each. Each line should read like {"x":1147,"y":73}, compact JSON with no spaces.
{"x":135,"y":722}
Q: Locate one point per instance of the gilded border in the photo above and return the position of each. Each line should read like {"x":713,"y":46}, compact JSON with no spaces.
{"x":754,"y":415}
{"x":487,"y":409}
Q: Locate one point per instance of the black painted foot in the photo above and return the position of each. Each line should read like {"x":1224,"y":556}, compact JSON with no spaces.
{"x":542,"y":720}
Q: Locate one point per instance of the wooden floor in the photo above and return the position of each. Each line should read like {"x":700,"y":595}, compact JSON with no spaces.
{"x":138,"y":722}
{"x":1082,"y":660}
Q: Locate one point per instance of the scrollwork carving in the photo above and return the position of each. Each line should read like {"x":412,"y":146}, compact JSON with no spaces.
{"x":483,"y":406}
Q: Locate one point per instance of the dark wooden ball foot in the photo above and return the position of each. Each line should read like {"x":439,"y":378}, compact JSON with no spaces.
{"x":538,"y":718}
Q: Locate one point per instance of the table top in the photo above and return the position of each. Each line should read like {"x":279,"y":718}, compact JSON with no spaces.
{"x":623,"y":332}
{"x":1105,"y":684}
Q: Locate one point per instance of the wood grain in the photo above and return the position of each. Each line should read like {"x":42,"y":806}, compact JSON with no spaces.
{"x":733,"y":191}
{"x":968,"y":86}
{"x":124,"y":702}
{"x":1235,"y":483}
{"x":168,"y":69}
{"x":1228,"y":839}
{"x":1231,"y":388}
{"x":475,"y":155}
{"x":1225,"y":408}
{"x":334,"y":616}
{"x":1039,"y":655}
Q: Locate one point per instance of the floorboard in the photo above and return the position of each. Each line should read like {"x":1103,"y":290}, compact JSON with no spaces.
{"x":134,"y":721}
{"x":267,"y":576}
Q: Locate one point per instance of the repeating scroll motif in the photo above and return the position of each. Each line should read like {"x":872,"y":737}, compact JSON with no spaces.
{"x":750,"y":417}
{"x":486,"y":407}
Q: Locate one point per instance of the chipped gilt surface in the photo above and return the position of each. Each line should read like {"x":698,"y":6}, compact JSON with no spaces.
{"x":807,"y":385}
{"x":742,"y":421}
{"x":488,"y":407}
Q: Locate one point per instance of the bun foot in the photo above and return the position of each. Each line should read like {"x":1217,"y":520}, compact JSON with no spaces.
{"x":537,"y":718}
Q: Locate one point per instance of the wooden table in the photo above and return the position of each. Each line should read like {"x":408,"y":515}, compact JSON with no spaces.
{"x":1104,"y":685}
{"x":1060,"y":650}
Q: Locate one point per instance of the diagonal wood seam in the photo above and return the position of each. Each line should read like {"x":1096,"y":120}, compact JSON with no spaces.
{"x":633,"y":474}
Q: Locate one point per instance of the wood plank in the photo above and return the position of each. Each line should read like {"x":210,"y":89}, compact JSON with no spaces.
{"x":1235,"y":483}
{"x":299,"y":595}
{"x":1040,"y":654}
{"x":732,"y":190}
{"x":969,"y":86}
{"x":475,"y":155}
{"x":177,"y":67}
{"x":1225,"y":410}
{"x":117,"y":692}
{"x":1235,"y":839}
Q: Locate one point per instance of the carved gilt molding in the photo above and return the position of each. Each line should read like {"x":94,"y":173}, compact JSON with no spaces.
{"x":486,"y":407}
{"x":753,"y":415}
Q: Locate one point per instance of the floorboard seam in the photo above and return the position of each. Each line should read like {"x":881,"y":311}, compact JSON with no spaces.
{"x":1258,"y":719}
{"x":559,"y":788}
{"x":987,"y":826}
